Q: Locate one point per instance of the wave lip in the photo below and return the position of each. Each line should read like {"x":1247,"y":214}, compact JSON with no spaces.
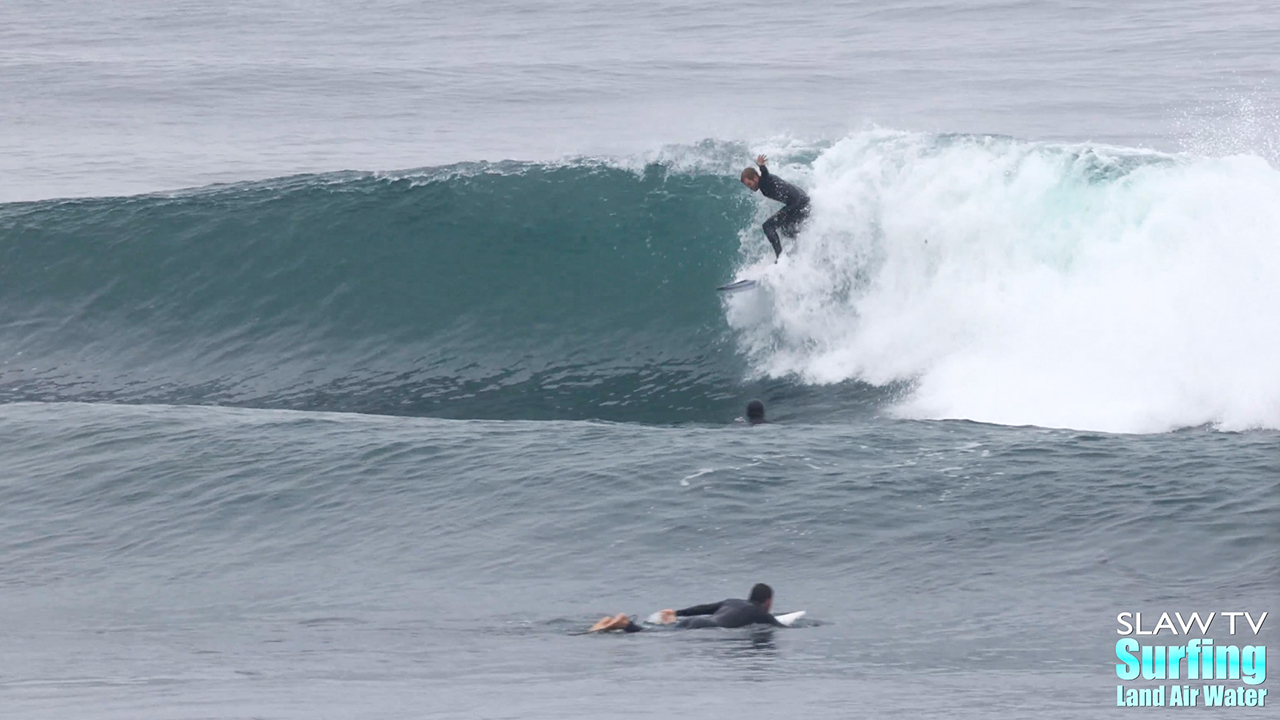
{"x":1033,"y":284}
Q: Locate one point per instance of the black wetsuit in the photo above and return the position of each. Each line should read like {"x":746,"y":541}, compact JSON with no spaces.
{"x":788,"y":219}
{"x":731,"y":613}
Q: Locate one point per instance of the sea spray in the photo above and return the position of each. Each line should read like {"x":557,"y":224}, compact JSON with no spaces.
{"x":1029,"y":283}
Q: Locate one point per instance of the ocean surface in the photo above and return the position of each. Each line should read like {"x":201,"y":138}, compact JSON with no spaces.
{"x":355,"y":357}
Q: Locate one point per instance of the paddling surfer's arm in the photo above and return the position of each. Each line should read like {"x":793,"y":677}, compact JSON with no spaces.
{"x":708,"y":609}
{"x":668,"y":616}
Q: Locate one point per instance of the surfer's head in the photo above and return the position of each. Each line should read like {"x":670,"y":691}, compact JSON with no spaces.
{"x":751,"y":178}
{"x":755,"y":412}
{"x":762,"y":594}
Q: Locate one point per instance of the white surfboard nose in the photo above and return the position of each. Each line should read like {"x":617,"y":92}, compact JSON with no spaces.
{"x":790,"y":617}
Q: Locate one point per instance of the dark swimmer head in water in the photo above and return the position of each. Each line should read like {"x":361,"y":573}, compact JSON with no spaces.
{"x":755,"y":412}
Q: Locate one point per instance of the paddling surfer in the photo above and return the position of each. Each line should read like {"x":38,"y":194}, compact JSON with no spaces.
{"x":731,"y":613}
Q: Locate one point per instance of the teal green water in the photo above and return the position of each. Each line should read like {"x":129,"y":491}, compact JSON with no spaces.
{"x":457,"y":292}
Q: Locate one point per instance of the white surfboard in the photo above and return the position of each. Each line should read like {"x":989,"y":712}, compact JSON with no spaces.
{"x":737,"y":285}
{"x":790,"y":618}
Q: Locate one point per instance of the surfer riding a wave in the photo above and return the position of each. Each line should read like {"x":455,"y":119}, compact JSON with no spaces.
{"x":786,"y":221}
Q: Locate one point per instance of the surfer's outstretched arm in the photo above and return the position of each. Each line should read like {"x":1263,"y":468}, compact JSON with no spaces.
{"x":708,"y":609}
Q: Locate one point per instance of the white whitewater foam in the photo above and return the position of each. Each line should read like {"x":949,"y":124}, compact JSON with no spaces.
{"x":1025,"y":283}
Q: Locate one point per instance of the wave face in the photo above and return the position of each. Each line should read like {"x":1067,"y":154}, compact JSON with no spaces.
{"x":940,"y":277}
{"x":1021,"y":283}
{"x":581,"y":290}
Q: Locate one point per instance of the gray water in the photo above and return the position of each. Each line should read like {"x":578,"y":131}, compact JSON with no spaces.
{"x":197,"y":562}
{"x":189,"y":530}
